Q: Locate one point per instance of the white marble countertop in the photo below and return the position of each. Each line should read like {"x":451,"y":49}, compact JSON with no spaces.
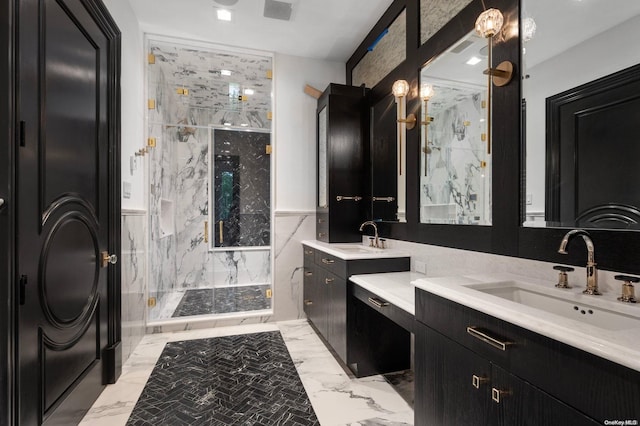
{"x":620,"y":346}
{"x":354,"y":251}
{"x":393,"y":287}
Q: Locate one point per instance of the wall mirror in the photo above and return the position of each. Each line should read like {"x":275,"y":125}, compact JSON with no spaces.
{"x":455,"y":164}
{"x":581,"y":103}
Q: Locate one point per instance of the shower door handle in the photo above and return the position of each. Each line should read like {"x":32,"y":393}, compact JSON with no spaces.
{"x":220,"y":232}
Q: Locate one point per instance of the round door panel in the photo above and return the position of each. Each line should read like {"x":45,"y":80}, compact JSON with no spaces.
{"x":69,"y":270}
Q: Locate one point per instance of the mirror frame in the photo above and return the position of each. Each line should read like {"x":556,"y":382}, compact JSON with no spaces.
{"x":616,"y":249}
{"x":495,"y":238}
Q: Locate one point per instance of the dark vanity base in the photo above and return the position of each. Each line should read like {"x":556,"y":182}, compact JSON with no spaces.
{"x":566,"y":383}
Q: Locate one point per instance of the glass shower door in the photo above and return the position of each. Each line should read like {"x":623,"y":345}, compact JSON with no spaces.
{"x":240,"y":214}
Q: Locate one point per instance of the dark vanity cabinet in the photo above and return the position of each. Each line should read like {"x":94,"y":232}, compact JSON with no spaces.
{"x":342,"y":126}
{"x":469,"y":378}
{"x":326,"y":295}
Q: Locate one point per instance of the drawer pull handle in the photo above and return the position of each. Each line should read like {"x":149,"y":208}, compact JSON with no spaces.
{"x":377,"y":302}
{"x":320,"y":220}
{"x":329,"y":280}
{"x":348,"y":198}
{"x":308,"y":302}
{"x":308,"y":273}
{"x":476,"y":381}
{"x":497,"y":395}
{"x":322,"y":234}
{"x":488,"y":339}
{"x":308,"y":252}
{"x":328,"y":261}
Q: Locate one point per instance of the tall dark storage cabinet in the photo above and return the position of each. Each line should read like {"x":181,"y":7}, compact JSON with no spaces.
{"x":342,"y":123}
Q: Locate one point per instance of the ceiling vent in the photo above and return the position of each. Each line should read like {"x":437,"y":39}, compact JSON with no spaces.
{"x":462,"y":46}
{"x":277,"y":10}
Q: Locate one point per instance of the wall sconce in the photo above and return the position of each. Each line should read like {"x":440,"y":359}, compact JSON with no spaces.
{"x":426,"y":93}
{"x":488,"y":24}
{"x":400,"y":90}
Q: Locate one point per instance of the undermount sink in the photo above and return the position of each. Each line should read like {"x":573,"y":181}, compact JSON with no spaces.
{"x":569,"y":305}
{"x":357,"y":249}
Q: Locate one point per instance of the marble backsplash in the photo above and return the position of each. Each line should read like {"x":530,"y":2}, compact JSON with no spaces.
{"x":133,"y":281}
{"x":444,"y":261}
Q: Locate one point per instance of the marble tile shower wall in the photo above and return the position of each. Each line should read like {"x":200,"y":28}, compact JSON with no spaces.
{"x":292,"y":228}
{"x":133,"y":264}
{"x":178,"y":201}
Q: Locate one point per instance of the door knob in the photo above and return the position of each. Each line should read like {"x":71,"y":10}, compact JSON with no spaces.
{"x":1,"y":202}
{"x":108,"y":259}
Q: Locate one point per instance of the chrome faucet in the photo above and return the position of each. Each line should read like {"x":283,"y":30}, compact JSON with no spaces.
{"x":592,"y":272}
{"x":376,"y":242}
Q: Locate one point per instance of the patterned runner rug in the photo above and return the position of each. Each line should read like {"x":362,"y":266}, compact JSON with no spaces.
{"x":246,"y":379}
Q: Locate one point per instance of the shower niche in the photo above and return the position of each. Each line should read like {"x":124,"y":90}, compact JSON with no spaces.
{"x":211,"y":120}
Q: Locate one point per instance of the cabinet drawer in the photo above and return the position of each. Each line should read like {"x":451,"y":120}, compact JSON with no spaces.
{"x":598,"y":387}
{"x":322,"y":227}
{"x":332,"y":264}
{"x":401,"y":317}
{"x":309,"y":255}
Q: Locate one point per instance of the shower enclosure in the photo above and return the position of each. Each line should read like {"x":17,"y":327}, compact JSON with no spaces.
{"x":210,"y":181}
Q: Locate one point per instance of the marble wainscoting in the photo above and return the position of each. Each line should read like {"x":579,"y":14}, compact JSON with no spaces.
{"x":133,"y":282}
{"x":290,"y":228}
{"x":336,"y":397}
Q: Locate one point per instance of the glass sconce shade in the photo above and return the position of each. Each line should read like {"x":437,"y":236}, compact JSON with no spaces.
{"x":489,"y":23}
{"x":426,"y":91}
{"x":400,"y":88}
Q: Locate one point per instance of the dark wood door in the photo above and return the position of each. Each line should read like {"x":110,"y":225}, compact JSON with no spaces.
{"x":446,"y":391}
{"x":65,"y":205}
{"x":516,"y":402}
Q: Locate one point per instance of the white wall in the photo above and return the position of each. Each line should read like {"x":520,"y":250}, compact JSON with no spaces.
{"x":601,"y":55}
{"x":295,"y":128}
{"x":132,"y":100}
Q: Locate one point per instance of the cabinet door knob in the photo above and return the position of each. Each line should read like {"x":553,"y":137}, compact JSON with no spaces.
{"x":308,"y":302}
{"x":497,"y":395}
{"x":329,"y":280}
{"x":308,"y":273}
{"x":476,"y":381}
{"x":308,"y":252}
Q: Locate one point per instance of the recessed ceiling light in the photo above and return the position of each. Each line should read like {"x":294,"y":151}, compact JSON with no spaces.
{"x":225,"y":72}
{"x":474,"y":60}
{"x":227,"y":124}
{"x":248,"y":91}
{"x":223,"y":14}
{"x":244,"y":125}
{"x":226,"y":2}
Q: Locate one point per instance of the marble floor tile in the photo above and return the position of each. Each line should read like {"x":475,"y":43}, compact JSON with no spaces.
{"x":337,"y":397}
